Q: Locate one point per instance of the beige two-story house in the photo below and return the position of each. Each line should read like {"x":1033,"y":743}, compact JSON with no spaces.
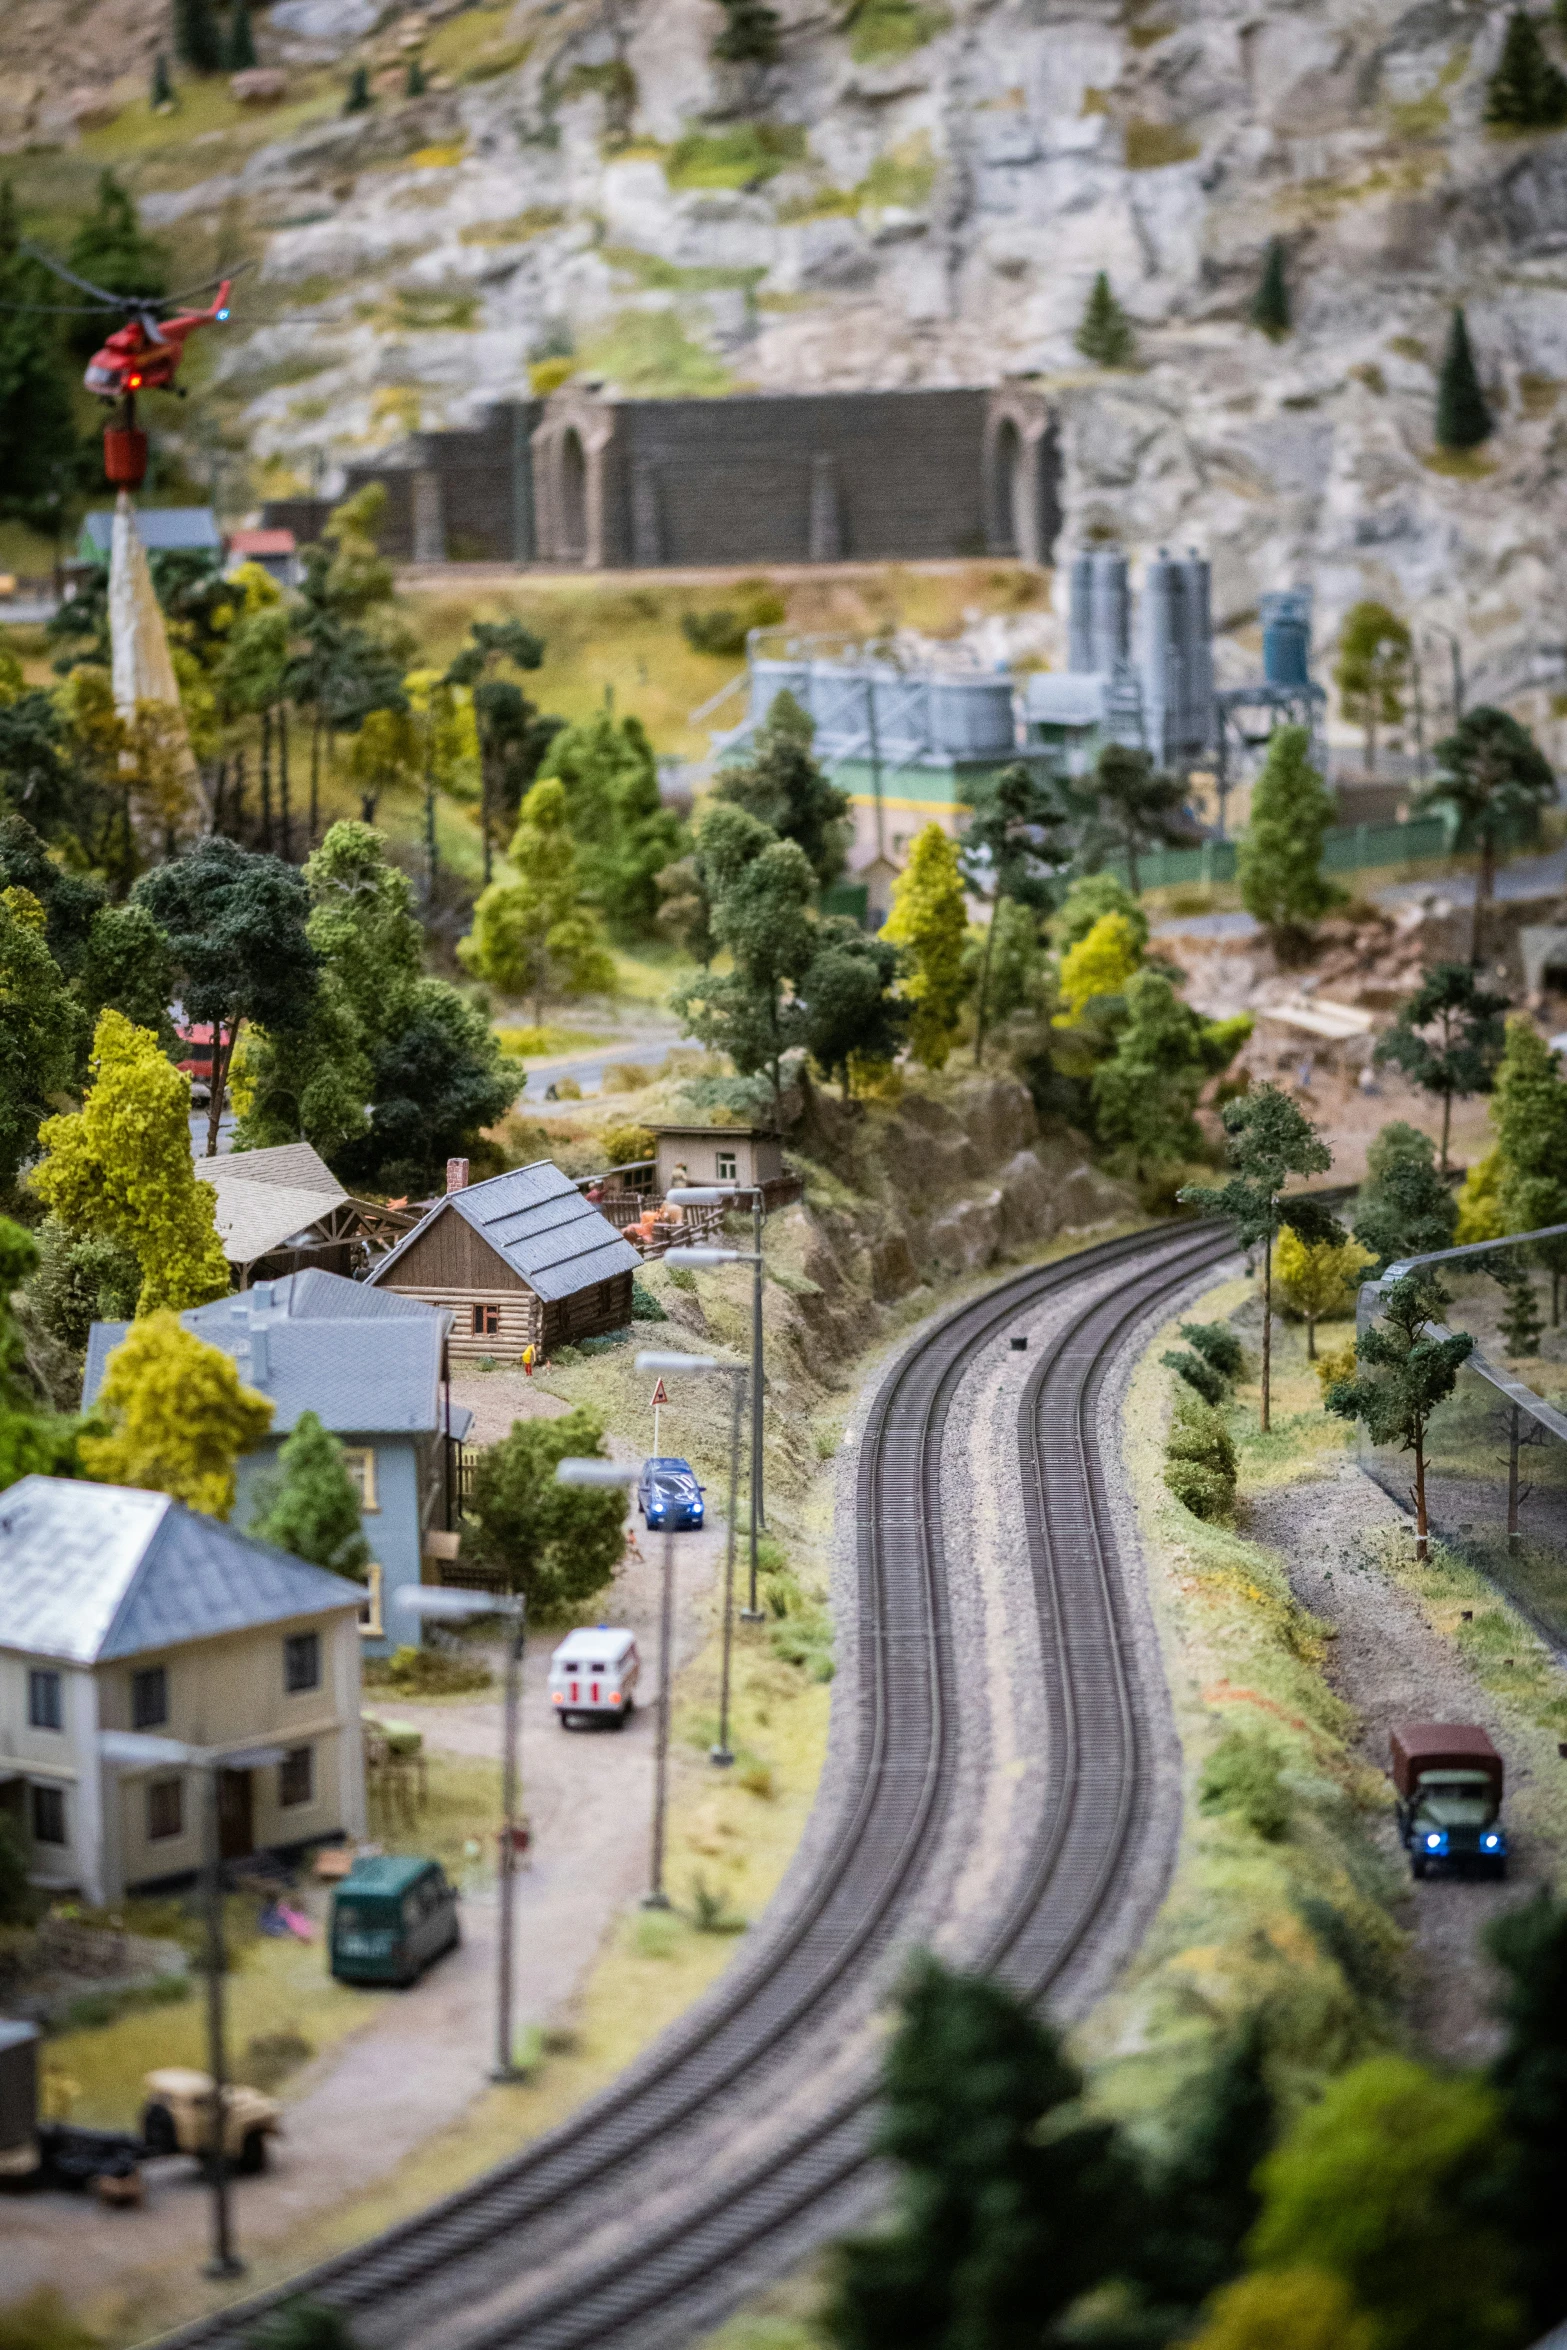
{"x":122,"y":1610}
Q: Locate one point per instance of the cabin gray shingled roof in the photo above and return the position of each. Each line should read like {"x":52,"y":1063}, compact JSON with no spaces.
{"x":539,"y":1224}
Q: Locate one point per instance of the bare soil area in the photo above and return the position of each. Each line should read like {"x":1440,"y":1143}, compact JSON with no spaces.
{"x":1391,"y":1665}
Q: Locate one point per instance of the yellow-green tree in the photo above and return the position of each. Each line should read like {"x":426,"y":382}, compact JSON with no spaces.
{"x":40,"y":1028}
{"x":119,"y":1168}
{"x":1317,"y":1279}
{"x":1479,"y":1201}
{"x":1291,"y":2309}
{"x":172,"y":1416}
{"x":384,"y":755}
{"x":1099,"y":965}
{"x":533,"y":936}
{"x":929,"y":920}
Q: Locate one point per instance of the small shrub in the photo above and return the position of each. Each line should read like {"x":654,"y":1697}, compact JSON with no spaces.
{"x":627,"y":1143}
{"x":302,"y":2325}
{"x":1333,"y":1364}
{"x":644,"y":1305}
{"x":656,"y":1934}
{"x":710,"y":1911}
{"x":682,"y":1277}
{"x":1217,"y":1343}
{"x":1199,"y":1459}
{"x":1242,"y":1776}
{"x":757,"y":1779}
{"x":17,"y":1903}
{"x":427,"y":1672}
{"x":1197,"y":1374}
{"x":271,"y":2056}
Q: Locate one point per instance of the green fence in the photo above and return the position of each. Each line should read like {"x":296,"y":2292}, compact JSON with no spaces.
{"x":1348,"y":848}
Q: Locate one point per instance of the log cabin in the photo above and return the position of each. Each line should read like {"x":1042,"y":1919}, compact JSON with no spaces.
{"x":520,"y":1260}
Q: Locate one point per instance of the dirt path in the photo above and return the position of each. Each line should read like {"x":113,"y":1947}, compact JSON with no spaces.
{"x":1391,"y":1666}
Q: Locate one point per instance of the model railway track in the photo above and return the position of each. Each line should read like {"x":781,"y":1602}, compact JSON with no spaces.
{"x":505,"y":2262}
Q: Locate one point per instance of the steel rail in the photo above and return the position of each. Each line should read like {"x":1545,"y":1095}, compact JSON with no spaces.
{"x":482,"y":2244}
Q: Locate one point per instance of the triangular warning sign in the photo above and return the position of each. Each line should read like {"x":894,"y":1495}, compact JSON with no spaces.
{"x":660,"y":1394}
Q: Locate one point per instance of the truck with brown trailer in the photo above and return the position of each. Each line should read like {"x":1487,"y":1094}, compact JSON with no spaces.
{"x":1450,"y":1780}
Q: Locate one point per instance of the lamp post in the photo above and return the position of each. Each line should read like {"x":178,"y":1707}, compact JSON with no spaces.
{"x":1456,"y":652}
{"x":605,"y":1476}
{"x":699,"y":1255}
{"x":137,"y":1750}
{"x":433,"y":1605}
{"x":678,"y":1367}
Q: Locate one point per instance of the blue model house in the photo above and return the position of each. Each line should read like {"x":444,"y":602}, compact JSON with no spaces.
{"x":371,"y":1365}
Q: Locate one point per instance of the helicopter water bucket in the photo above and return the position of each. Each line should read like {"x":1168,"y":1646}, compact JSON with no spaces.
{"x":124,"y":456}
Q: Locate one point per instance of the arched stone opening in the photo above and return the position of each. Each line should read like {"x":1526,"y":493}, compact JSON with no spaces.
{"x":573,"y":498}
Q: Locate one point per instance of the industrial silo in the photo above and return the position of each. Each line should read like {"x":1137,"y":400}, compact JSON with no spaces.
{"x":1109,"y":610}
{"x":1199,"y":723}
{"x":1080,"y":616}
{"x":1163,"y":669}
{"x":1286,"y":637}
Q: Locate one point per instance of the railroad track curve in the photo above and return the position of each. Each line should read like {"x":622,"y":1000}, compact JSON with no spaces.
{"x":697,"y":2172}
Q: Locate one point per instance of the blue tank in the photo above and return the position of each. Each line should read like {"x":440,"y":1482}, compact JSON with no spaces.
{"x":1286,"y":637}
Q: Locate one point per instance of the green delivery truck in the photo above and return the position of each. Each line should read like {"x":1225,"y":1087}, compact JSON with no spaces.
{"x":390,"y":1918}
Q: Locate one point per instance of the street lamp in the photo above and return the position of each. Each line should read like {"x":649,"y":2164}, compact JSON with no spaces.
{"x":605,"y":1476}
{"x":678,"y":1367}
{"x":434,"y":1605}
{"x":701,"y":1254}
{"x":136,"y":1750}
{"x":1456,"y":652}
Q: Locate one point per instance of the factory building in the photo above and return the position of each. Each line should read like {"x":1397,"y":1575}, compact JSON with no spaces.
{"x":1147,"y":682}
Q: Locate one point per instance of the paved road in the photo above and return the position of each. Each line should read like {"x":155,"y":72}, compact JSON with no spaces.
{"x":647,"y":1051}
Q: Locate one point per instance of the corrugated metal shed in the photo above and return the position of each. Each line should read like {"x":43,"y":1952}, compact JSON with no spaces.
{"x":93,"y":1572}
{"x":302,"y":1341}
{"x":539,"y":1224}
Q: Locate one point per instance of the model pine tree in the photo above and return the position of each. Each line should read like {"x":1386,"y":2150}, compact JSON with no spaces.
{"x":162,"y":95}
{"x":242,"y":40}
{"x":1270,"y":308}
{"x":1520,"y":1321}
{"x":1404,"y":1209}
{"x":414,"y":83}
{"x":310,"y":1505}
{"x":1526,"y":92}
{"x":930,"y":921}
{"x":1279,"y":864}
{"x":1448,"y":1039}
{"x":1105,"y":336}
{"x":750,"y":33}
{"x":41,"y":1030}
{"x":198,"y":38}
{"x":1492,"y":781}
{"x":358,"y":100}
{"x":1463,"y":420}
{"x":1403,"y":1371}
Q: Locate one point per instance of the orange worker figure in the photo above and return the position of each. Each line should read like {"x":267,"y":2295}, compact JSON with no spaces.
{"x":527,"y":1362}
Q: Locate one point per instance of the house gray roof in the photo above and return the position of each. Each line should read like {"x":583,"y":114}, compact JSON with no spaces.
{"x":266,"y":1198}
{"x":93,"y":1572}
{"x":303,"y":1342}
{"x":158,"y":527}
{"x":538,"y":1223}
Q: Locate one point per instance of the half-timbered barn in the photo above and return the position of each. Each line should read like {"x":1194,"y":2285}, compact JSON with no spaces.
{"x":520,"y":1260}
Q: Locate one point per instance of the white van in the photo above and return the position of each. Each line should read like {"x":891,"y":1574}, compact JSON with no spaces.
{"x":593,"y":1676}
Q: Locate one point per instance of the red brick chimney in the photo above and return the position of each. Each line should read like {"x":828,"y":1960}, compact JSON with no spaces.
{"x":456,"y":1174}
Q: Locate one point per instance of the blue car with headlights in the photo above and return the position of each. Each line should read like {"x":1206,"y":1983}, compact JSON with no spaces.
{"x":669,"y":1496}
{"x":1449,"y":1779}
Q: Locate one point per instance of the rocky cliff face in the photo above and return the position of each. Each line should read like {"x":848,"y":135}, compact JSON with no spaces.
{"x":920,"y":193}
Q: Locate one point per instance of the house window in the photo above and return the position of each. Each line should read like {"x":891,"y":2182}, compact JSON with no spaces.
{"x":486,"y":1321}
{"x":165,"y":1810}
{"x":301,"y":1662}
{"x":296,"y":1776}
{"x":359,"y":1461}
{"x":43,"y":1701}
{"x":150,"y":1700}
{"x":371,"y":1622}
{"x":727,"y":1167}
{"x":48,"y":1815}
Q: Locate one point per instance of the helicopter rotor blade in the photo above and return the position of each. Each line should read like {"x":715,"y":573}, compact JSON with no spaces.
{"x":209,"y":285}
{"x":86,"y":286}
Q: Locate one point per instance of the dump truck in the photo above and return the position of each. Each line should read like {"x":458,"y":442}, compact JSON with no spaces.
{"x":1450,"y":1780}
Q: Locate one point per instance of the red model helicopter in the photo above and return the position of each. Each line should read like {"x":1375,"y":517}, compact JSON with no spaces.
{"x":143,"y":355}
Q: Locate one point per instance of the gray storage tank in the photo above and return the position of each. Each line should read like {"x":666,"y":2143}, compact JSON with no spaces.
{"x":1161,"y":629}
{"x":1201,"y":717}
{"x":1109,"y":610}
{"x":1080,"y":616}
{"x":1286,"y":637}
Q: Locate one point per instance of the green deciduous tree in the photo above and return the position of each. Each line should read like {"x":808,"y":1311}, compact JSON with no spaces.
{"x":852,"y":1016}
{"x":1008,"y":2203}
{"x":749,"y":35}
{"x":1268,"y":1140}
{"x":37,"y":430}
{"x":173,"y":1416}
{"x":1279,"y":863}
{"x":120,"y":1169}
{"x":1404,"y":1209}
{"x":1145,"y":1094}
{"x":1011,"y":848}
{"x":128,"y":967}
{"x":1526,"y":92}
{"x":1270,"y":305}
{"x":929,"y":921}
{"x":1448,"y":1039}
{"x":309,"y":1505}
{"x":1105,"y":336}
{"x":1136,"y":807}
{"x":1372,"y":2185}
{"x":625,"y":836}
{"x":534,"y":936}
{"x":71,"y":901}
{"x":1202,"y":2197}
{"x":1090,"y":898}
{"x":1529,"y":1947}
{"x":240,"y":54}
{"x":513,"y":737}
{"x":79,"y":1279}
{"x":1491,"y":776}
{"x":556,"y":1544}
{"x":1529,"y":1165}
{"x":32,"y":1440}
{"x":40,"y":1029}
{"x":1521,"y":1322}
{"x":1463,"y":420}
{"x":235,"y":922}
{"x":1286,"y":2309}
{"x":762,"y":889}
{"x":438,"y":1079}
{"x":783,"y":786}
{"x":1402,"y":1374}
{"x":1372,"y":672}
